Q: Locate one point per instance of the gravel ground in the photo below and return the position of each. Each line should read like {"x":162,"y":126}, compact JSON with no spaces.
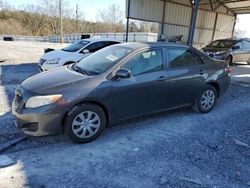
{"x":172,"y":149}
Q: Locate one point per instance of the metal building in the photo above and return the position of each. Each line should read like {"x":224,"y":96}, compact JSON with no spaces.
{"x":199,"y":21}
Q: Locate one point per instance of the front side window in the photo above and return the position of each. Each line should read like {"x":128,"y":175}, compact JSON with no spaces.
{"x":182,"y":57}
{"x":145,"y":62}
{"x":75,"y":46}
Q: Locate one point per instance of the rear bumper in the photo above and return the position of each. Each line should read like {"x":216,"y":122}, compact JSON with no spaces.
{"x":224,"y":85}
{"x":38,"y":122}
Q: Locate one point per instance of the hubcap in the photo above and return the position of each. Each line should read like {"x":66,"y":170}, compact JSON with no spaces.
{"x":86,"y":124}
{"x":207,"y":99}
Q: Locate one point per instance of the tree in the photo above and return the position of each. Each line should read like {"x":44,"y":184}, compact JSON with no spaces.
{"x":240,"y":33}
{"x":112,"y":17}
{"x":133,"y":27}
{"x":148,"y":27}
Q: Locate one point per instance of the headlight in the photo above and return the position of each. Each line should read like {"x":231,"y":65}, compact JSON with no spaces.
{"x":38,"y":101}
{"x":52,"y":61}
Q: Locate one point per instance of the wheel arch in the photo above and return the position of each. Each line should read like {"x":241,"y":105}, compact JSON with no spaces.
{"x":231,"y":56}
{"x":216,"y":86}
{"x":97,"y":103}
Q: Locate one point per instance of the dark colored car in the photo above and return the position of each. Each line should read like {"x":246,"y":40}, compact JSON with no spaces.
{"x":231,"y":50}
{"x":116,"y":83}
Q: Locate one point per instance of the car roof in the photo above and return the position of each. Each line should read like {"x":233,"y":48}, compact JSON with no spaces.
{"x":139,"y":45}
{"x":98,"y":40}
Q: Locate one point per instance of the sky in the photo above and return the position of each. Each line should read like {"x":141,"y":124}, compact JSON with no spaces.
{"x":91,"y":7}
{"x":243,"y":23}
{"x":88,"y":7}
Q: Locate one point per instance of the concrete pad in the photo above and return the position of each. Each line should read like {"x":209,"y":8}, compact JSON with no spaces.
{"x":241,"y":74}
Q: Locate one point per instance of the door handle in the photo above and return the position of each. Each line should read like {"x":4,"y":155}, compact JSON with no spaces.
{"x":162,"y":78}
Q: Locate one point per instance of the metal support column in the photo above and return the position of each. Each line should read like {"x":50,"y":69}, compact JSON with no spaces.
{"x":193,"y":23}
{"x":128,"y":14}
{"x":215,"y":26}
{"x":163,"y":17}
{"x":235,"y":20}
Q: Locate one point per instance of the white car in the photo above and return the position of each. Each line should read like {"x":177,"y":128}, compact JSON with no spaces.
{"x":72,"y":53}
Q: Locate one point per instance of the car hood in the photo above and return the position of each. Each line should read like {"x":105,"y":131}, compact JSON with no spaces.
{"x":56,"y":54}
{"x":54,"y":80}
{"x":211,"y":49}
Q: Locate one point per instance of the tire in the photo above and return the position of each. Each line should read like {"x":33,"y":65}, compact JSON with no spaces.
{"x":229,"y":60}
{"x":84,"y":123}
{"x":205,"y":100}
{"x":248,"y":63}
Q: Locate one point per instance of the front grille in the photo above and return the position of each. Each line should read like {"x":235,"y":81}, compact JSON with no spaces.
{"x":42,"y":61}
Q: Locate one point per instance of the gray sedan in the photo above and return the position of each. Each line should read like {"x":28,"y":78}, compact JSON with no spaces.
{"x":117,"y":83}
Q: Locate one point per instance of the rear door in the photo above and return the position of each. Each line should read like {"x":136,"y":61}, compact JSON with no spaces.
{"x":146,"y":90}
{"x":186,"y":75}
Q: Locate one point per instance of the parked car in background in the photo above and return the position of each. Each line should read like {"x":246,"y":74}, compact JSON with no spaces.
{"x":72,"y":53}
{"x":116,"y":83}
{"x":231,"y":50}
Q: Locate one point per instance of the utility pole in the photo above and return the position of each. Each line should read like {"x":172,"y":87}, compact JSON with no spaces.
{"x":61,"y":22}
{"x":76,"y":17}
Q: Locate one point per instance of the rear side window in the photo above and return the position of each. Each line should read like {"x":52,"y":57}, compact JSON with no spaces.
{"x":108,"y":43}
{"x":145,"y":62}
{"x":182,"y":57}
{"x":95,"y":46}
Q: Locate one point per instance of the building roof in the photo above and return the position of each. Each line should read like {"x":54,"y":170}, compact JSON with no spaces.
{"x":235,"y":6}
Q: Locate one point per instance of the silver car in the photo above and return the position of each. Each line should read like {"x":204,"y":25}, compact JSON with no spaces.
{"x":231,"y":50}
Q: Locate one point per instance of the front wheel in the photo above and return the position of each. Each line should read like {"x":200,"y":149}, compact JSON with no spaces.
{"x":205,"y":100}
{"x":84,"y":123}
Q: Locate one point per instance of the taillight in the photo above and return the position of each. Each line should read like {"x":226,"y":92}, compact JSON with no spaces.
{"x":228,"y":70}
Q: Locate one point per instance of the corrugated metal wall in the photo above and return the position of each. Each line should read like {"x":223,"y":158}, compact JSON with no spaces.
{"x":210,"y":24}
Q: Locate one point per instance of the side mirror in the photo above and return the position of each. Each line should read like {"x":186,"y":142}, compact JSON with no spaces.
{"x":236,"y":47}
{"x":123,"y":73}
{"x":85,"y":51}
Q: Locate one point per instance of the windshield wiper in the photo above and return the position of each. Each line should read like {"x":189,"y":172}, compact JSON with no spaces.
{"x":79,"y":69}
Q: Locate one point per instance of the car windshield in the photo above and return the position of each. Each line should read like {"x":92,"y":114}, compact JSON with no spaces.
{"x":75,"y":46}
{"x":222,"y":44}
{"x":103,"y":59}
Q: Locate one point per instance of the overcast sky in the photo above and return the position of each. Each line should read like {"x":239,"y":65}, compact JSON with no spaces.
{"x":90,"y":8}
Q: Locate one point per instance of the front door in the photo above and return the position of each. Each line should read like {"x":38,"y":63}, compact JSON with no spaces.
{"x":145,"y":91}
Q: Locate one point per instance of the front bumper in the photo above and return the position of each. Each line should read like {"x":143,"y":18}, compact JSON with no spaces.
{"x":38,"y":121}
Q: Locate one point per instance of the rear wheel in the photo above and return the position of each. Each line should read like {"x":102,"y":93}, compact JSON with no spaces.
{"x":229,"y":60}
{"x":85,"y":123}
{"x":205,"y":100}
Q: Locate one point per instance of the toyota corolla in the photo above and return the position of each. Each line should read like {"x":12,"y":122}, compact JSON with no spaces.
{"x":116,"y":83}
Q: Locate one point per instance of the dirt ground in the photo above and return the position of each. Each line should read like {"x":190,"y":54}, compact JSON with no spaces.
{"x":171,"y":149}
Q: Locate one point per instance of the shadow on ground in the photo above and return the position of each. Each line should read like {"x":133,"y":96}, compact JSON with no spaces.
{"x":11,"y":76}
